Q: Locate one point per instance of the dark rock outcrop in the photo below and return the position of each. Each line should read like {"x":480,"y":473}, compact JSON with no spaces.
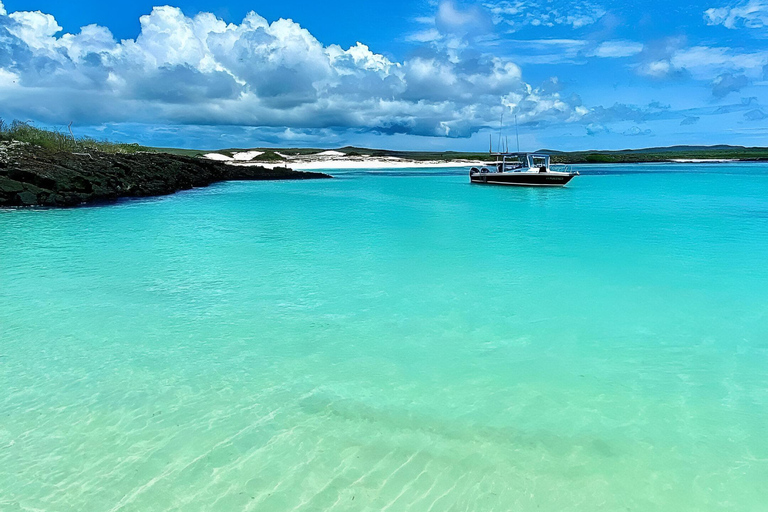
{"x":31,"y":176}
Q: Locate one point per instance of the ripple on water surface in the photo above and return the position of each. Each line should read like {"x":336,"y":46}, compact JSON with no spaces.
{"x":398,"y":341}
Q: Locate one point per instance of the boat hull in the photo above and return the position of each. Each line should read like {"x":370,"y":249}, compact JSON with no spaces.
{"x":520,"y":179}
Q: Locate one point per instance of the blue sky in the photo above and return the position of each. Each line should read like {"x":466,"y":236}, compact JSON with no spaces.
{"x":424,"y":74}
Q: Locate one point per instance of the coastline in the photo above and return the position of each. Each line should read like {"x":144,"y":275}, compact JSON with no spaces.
{"x":374,"y":164}
{"x":33,"y":176}
{"x":300,"y":159}
{"x":337,"y":160}
{"x":309,"y":165}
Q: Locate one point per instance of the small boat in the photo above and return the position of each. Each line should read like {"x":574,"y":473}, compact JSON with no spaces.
{"x":521,"y":169}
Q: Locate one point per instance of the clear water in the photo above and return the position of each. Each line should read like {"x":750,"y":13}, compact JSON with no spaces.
{"x":392,"y":341}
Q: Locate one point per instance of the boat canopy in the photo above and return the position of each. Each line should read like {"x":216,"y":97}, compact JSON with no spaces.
{"x":530,"y":160}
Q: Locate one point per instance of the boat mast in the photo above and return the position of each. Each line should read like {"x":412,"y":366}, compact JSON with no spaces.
{"x":517,"y":134}
{"x":501,"y":126}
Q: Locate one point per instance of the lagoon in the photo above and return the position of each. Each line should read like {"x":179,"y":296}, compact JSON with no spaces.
{"x":392,"y":340}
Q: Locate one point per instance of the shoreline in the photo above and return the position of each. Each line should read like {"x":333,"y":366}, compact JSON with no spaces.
{"x":344,"y":165}
{"x":335,"y":160}
{"x":330,"y":165}
{"x":33,"y":176}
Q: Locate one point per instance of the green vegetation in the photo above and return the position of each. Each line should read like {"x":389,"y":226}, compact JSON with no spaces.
{"x":54,"y":140}
{"x":268,"y":156}
{"x":178,"y":151}
{"x":61,"y":140}
{"x":660,"y":154}
{"x":575,"y":157}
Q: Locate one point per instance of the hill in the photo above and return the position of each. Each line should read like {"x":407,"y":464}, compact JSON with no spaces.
{"x":657,"y":154}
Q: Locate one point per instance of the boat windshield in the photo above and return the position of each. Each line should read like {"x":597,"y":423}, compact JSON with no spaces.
{"x":536,"y":161}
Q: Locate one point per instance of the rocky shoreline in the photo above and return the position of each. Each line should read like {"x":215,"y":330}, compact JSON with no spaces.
{"x":32,"y":176}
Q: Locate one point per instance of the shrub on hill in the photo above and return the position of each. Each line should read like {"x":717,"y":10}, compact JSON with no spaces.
{"x":59,"y":141}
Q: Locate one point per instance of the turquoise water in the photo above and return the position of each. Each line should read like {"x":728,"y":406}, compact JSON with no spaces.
{"x":392,"y":341}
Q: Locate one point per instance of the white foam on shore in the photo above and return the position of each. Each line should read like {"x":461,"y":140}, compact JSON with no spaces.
{"x":702,"y":160}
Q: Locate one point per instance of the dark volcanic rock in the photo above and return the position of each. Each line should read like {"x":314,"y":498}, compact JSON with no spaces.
{"x":31,"y":176}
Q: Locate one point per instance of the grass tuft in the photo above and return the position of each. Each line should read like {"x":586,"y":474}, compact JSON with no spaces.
{"x":60,"y":141}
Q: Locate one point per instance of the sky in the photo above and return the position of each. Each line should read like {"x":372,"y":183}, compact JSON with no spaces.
{"x":419,"y":74}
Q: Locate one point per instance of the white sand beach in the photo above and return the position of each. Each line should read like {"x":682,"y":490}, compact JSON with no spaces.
{"x":703,"y":160}
{"x":218,"y":157}
{"x":300,"y":165}
{"x":246,"y":156}
{"x":336,"y":160}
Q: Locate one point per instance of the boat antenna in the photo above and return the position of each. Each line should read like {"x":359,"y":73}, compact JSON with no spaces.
{"x":517,"y":134}
{"x":490,"y":143}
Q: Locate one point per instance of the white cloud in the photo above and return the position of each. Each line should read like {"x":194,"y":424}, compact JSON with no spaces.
{"x":618,"y":48}
{"x":34,"y":28}
{"x":636,"y":131}
{"x":2,"y":9}
{"x":547,"y":51}
{"x":705,"y":63}
{"x":727,"y":83}
{"x":425,"y":36}
{"x":453,"y":26}
{"x":750,"y":14}
{"x":656,"y":68}
{"x":7,"y":79}
{"x":453,"y":19}
{"x":516,"y":14}
{"x":202,"y":71}
{"x":596,"y":129}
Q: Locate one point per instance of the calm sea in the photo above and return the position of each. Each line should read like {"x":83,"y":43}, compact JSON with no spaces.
{"x":392,"y":340}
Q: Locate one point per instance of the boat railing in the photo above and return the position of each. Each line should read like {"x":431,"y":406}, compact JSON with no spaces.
{"x":562,"y":168}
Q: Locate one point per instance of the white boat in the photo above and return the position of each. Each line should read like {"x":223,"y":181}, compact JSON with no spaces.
{"x":521,"y":169}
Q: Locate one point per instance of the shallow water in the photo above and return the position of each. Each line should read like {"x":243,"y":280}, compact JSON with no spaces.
{"x":392,"y":341}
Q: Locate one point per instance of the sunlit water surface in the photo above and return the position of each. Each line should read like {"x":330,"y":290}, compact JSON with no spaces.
{"x":392,"y":341}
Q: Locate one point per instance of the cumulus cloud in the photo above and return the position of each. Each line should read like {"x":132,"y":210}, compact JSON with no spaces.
{"x":594,"y":129}
{"x":750,"y":14}
{"x":470,"y":20}
{"x":727,"y":83}
{"x":657,"y":58}
{"x":635,"y":131}
{"x":201,"y":70}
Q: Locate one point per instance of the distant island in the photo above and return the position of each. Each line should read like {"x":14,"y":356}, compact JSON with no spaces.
{"x":309,"y":158}
{"x":52,"y":168}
